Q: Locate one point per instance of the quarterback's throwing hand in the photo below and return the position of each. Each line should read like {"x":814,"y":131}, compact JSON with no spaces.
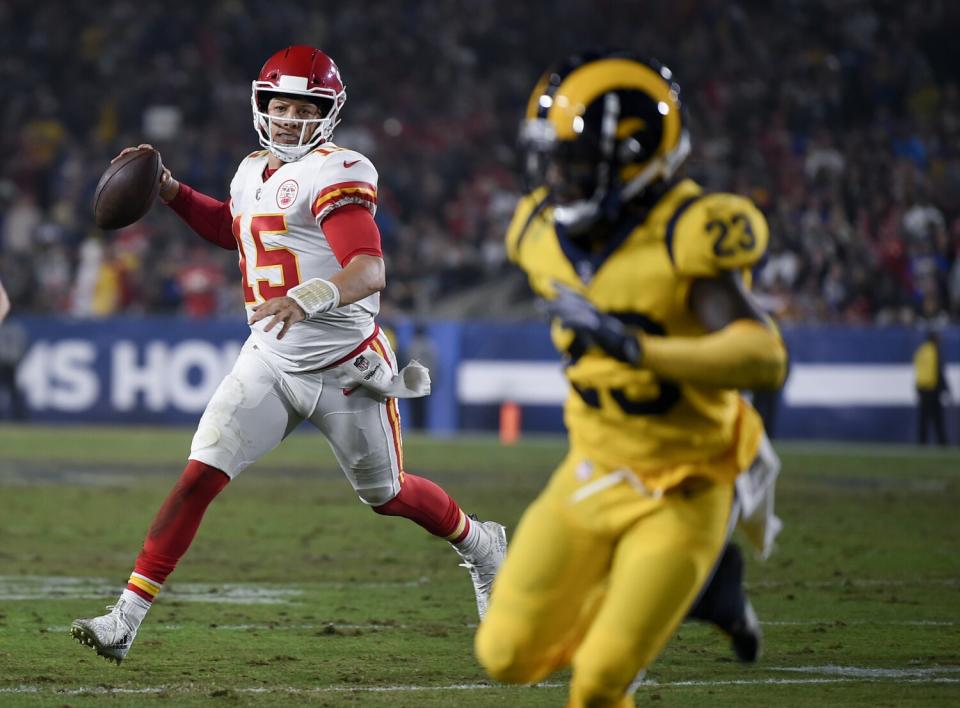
{"x":605,"y":331}
{"x":283,"y":309}
{"x":168,"y":185}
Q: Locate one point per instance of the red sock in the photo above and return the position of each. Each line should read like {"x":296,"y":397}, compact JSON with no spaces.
{"x":175,"y":526}
{"x":426,"y":504}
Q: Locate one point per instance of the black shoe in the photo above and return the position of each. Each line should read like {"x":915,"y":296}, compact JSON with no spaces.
{"x":724,"y":604}
{"x":746,"y":635}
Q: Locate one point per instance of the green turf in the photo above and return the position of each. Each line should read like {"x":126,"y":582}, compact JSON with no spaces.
{"x":867,"y":576}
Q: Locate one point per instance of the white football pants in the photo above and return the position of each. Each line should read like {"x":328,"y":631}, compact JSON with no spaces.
{"x":257,"y":405}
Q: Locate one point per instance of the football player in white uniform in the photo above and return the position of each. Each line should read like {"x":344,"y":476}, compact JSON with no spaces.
{"x":300,"y":214}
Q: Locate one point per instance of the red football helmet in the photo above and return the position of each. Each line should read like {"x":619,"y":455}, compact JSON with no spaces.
{"x":298,"y":71}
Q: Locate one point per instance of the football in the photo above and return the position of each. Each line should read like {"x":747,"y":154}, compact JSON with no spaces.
{"x":127,"y":189}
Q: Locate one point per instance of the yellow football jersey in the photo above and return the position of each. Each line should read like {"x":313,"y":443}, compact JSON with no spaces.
{"x":626,"y":416}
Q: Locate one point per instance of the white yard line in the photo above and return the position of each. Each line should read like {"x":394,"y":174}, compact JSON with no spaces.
{"x":852,"y":582}
{"x":867,"y":672}
{"x":840,"y":623}
{"x":374,"y":626}
{"x":793,"y":682}
{"x":181,"y":597}
{"x":186,"y":688}
{"x":265,"y":626}
{"x":42,"y":587}
{"x":846,"y":675}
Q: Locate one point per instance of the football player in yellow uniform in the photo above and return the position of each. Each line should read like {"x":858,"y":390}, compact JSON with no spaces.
{"x":645,"y":278}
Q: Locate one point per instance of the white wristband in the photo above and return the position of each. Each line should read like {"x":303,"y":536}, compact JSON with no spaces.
{"x":315,"y":296}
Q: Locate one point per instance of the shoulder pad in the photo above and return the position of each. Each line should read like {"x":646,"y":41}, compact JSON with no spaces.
{"x":716,"y":232}
{"x":527,"y":209}
{"x":346,"y":177}
{"x":327,"y":149}
{"x":257,"y":153}
{"x":336,"y":159}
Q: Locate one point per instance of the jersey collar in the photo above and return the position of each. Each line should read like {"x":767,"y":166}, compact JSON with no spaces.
{"x":586,"y":263}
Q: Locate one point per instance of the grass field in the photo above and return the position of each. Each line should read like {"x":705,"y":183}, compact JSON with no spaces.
{"x":294,"y":593}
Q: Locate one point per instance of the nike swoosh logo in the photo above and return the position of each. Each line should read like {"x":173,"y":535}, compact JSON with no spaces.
{"x":350,"y":163}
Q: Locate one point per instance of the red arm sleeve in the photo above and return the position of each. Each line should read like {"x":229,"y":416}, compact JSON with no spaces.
{"x":351,"y":231}
{"x":208,"y":217}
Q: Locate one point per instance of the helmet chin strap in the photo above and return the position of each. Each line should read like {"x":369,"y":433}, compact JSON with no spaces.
{"x":282,"y":151}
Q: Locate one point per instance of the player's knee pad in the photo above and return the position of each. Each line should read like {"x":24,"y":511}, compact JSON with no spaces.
{"x":372,"y":476}
{"x":378,"y":497}
{"x":218,"y":439}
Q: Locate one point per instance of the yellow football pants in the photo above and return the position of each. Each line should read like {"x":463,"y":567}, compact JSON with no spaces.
{"x":600,"y":574}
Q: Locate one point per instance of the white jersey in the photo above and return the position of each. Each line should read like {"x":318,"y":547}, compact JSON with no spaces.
{"x":278,"y":226}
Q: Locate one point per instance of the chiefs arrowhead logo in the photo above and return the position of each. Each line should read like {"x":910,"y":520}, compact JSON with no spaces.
{"x":287,"y":193}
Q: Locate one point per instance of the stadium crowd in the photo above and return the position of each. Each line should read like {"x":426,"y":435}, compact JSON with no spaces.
{"x":840,"y":119}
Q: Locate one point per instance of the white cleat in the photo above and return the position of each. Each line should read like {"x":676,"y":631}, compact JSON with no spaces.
{"x":483,"y":569}
{"x":111,"y":635}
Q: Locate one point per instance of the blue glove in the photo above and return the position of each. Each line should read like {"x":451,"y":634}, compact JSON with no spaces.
{"x":605,"y":331}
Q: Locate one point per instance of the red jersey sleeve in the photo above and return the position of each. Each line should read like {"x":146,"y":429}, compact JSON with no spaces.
{"x":208,"y":217}
{"x":351,"y":231}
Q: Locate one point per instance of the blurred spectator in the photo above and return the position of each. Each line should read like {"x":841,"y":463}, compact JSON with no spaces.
{"x":199,"y":279}
{"x":4,"y":303}
{"x":13,"y":346}
{"x":841,"y":120}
